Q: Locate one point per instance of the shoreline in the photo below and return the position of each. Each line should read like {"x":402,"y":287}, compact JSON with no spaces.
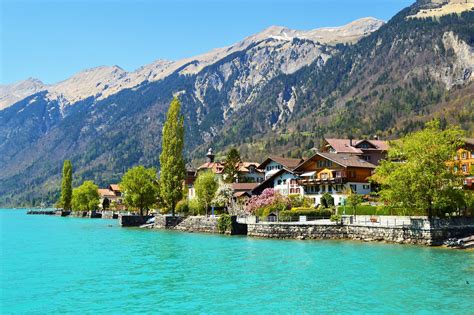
{"x":425,"y":233}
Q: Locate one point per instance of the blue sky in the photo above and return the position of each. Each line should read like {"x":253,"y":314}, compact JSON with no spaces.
{"x":53,"y":39}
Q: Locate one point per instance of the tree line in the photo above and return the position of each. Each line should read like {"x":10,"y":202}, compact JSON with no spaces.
{"x":142,"y":188}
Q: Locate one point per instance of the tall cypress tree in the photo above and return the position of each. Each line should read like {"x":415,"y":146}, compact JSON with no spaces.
{"x":171,"y":159}
{"x":66,"y":185}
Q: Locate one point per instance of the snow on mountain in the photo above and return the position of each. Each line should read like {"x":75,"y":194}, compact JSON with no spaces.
{"x":104,"y":81}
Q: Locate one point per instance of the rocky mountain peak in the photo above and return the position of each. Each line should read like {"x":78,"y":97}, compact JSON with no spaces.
{"x":12,"y":93}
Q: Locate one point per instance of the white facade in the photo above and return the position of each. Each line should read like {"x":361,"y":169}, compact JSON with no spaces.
{"x":286,"y":184}
{"x":336,"y":192}
{"x":272,"y":168}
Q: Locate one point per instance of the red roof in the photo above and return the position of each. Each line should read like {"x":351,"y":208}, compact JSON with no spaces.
{"x":344,"y":145}
{"x":215,"y":167}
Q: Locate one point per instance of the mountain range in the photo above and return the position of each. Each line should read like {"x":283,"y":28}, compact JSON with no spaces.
{"x":279,"y":91}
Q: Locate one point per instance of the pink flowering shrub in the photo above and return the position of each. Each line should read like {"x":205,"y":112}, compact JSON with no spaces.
{"x":268,"y":201}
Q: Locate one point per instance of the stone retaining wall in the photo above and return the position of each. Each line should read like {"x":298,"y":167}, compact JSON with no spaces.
{"x":398,"y":234}
{"x":198,"y":224}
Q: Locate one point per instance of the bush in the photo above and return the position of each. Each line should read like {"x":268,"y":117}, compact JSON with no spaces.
{"x":327,"y":201}
{"x":224,"y":223}
{"x":335,"y":218}
{"x":297,"y":201}
{"x":182,"y":207}
{"x":195,"y":207}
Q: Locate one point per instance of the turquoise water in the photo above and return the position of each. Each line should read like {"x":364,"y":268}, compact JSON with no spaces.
{"x":52,"y":265}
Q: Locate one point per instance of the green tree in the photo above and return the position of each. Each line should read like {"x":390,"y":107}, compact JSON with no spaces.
{"x":327,"y":201}
{"x":353,"y":201}
{"x":140,"y":188}
{"x":85,"y":197}
{"x":416,"y":174}
{"x":231,"y":166}
{"x":171,"y":158}
{"x":66,"y":186}
{"x":206,"y":187}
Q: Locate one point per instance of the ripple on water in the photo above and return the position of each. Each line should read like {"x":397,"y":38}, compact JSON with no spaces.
{"x":53,"y":265}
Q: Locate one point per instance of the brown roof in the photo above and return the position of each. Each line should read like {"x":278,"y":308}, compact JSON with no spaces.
{"x":218,"y":167}
{"x":286,"y":162}
{"x":244,"y":186}
{"x":344,"y":146}
{"x":104,"y":192}
{"x":346,"y":160}
{"x":115,"y":187}
{"x":244,"y":167}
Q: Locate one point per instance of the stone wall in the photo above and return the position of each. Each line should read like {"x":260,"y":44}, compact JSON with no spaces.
{"x":167,"y":222}
{"x":394,"y":234}
{"x":198,"y":224}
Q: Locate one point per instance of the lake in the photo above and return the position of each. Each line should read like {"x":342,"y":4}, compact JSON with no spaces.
{"x":51,"y":264}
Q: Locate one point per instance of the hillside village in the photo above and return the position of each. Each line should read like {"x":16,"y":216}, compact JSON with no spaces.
{"x":339,"y":167}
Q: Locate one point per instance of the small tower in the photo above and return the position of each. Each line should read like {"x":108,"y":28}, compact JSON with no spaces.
{"x":210,"y":156}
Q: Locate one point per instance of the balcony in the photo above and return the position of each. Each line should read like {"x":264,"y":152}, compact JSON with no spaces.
{"x":321,"y":181}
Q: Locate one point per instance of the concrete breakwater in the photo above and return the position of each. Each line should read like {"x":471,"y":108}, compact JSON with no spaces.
{"x":423,"y":232}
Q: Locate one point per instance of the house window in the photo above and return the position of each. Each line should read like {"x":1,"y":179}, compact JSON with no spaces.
{"x":329,"y":188}
{"x":284,"y":182}
{"x":297,"y":190}
{"x":354,"y":188}
{"x":251,"y":169}
{"x":366,"y":187}
{"x":292,"y":190}
{"x":279,"y":182}
{"x":323,"y":189}
{"x":316,"y":189}
{"x":366,"y":157}
{"x":324,"y":163}
{"x":464,"y":155}
{"x":293,"y":181}
{"x":464,"y":168}
{"x":455,"y":169}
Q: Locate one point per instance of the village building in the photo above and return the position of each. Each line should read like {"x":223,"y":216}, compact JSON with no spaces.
{"x":109,"y":196}
{"x":369,"y":150}
{"x":335,"y":174}
{"x":248,"y":173}
{"x":274,"y":164}
{"x":463,"y":163}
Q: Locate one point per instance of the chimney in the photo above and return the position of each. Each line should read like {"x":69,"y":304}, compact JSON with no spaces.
{"x":210,"y":156}
{"x":350,"y":140}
